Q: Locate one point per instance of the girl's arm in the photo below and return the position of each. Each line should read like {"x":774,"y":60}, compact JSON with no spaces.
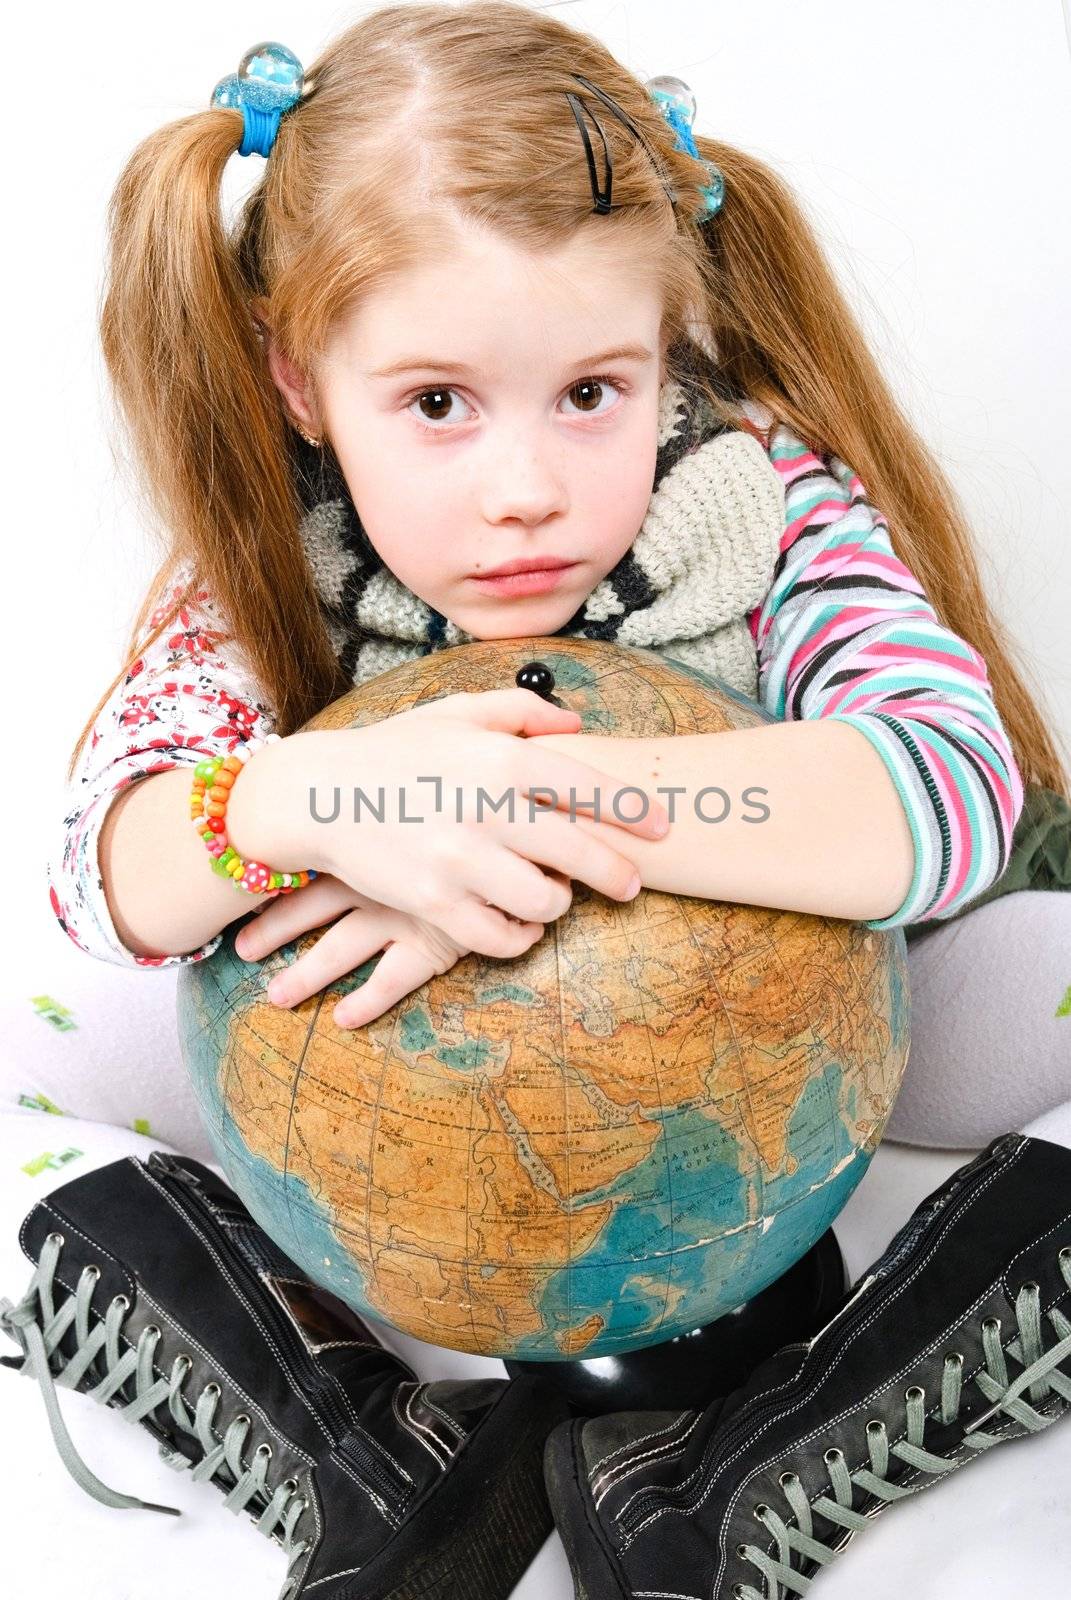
{"x":846,"y":639}
{"x":127,"y":860}
{"x":797,"y":815}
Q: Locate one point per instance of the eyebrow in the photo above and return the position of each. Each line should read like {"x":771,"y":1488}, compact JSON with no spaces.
{"x":621,"y":352}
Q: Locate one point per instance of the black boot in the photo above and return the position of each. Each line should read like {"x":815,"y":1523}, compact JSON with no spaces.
{"x":957,"y":1338}
{"x":157,"y":1293}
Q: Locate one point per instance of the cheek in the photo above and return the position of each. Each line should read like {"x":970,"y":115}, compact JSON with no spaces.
{"x":616,"y":498}
{"x":401,"y":509}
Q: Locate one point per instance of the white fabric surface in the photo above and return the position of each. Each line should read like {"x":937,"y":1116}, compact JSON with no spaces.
{"x":1000,"y":1526}
{"x":99,"y":1043}
{"x":96,"y":1040}
{"x":990,"y":1023}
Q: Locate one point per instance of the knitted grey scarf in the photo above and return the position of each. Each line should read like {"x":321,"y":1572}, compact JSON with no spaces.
{"x":704,"y":556}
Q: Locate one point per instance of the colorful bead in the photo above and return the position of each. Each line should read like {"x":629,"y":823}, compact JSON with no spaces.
{"x":675,"y":92}
{"x":270,"y":77}
{"x":228,"y":93}
{"x":213,"y":780}
{"x":268,"y":84}
{"x":256,"y":877}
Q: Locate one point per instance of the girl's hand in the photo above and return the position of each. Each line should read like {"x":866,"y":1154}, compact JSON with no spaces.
{"x":468,"y":877}
{"x":414,"y":950}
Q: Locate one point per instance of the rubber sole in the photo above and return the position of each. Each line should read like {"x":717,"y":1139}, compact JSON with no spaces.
{"x":592,"y":1562}
{"x":475,"y":1533}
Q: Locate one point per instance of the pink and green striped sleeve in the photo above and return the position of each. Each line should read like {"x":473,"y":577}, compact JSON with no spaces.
{"x":846,"y":631}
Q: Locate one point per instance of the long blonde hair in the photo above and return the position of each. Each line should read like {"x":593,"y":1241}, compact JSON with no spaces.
{"x":346,"y":201}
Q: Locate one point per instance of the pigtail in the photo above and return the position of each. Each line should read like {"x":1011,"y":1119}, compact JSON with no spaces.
{"x":786,"y":336}
{"x":205,"y":420}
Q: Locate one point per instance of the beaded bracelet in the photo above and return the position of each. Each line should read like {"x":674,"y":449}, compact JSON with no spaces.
{"x":212,"y":784}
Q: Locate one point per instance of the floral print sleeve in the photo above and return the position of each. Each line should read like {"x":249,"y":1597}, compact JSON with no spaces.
{"x":187,"y":696}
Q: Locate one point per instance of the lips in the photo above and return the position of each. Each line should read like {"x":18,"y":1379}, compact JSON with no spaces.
{"x":528,"y":564}
{"x":517,"y":585}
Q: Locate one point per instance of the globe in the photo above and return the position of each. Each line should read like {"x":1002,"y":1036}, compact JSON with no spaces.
{"x":622,"y":1134}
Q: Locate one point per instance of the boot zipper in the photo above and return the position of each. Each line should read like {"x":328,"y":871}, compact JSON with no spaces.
{"x":958,"y":1188}
{"x":186,"y":1188}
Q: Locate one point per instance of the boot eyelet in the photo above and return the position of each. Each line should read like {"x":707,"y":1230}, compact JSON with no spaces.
{"x":57,"y":1238}
{"x":1031,"y":1285}
{"x":738,"y":1591}
{"x":211,"y":1388}
{"x":788,"y":1477}
{"x":955,"y":1357}
{"x":186,"y":1360}
{"x":874,"y":1426}
{"x":833,"y":1455}
{"x":121,"y":1300}
{"x":152,"y":1328}
{"x":914,"y":1391}
{"x":741,"y":1550}
{"x":263,"y":1450}
{"x":94,"y":1272}
{"x":991,"y":1322}
{"x":241,"y":1417}
{"x":760,"y":1511}
{"x":291,"y":1484}
{"x":1065,"y":1253}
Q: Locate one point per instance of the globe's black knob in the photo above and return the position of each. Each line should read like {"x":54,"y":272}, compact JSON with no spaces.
{"x":538,"y":677}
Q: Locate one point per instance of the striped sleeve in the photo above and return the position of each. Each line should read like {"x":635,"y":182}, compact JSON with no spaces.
{"x":846,"y":631}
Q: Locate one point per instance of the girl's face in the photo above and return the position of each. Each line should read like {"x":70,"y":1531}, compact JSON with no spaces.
{"x":494,"y":407}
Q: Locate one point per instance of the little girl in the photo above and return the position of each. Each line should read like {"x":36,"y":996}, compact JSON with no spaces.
{"x":492,"y":305}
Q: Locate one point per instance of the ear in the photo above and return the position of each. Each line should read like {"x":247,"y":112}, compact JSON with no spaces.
{"x":293,"y":384}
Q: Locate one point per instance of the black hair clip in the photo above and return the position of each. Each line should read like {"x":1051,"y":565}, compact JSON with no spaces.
{"x":602,"y":200}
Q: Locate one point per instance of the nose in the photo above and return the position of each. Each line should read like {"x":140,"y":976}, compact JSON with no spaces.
{"x":522,"y":480}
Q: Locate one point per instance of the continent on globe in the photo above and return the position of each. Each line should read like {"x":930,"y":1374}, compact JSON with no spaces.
{"x":620,"y":1135}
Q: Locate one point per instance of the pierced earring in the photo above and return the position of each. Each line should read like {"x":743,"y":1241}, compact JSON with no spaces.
{"x":317,"y":443}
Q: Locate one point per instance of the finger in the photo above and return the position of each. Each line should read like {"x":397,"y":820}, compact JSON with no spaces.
{"x":580,"y":855}
{"x":487,"y":930}
{"x":510,"y":882}
{"x":293,"y":914}
{"x":354,"y":939}
{"x":577,"y":784}
{"x":400,"y":970}
{"x":517,"y":711}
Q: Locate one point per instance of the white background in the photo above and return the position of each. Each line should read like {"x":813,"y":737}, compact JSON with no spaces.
{"x":930,"y":144}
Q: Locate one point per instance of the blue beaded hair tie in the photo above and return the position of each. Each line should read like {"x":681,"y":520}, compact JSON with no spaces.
{"x":268,"y":82}
{"x":677,"y":103}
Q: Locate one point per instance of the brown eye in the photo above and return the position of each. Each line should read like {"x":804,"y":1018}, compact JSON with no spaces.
{"x":440,"y":403}
{"x":581,"y":393}
{"x":587,"y":395}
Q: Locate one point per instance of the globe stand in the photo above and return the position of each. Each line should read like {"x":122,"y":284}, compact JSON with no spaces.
{"x":695,"y":1368}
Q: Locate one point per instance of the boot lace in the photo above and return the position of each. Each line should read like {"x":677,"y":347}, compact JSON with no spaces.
{"x":38,"y":1326}
{"x":1039,"y":1376}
